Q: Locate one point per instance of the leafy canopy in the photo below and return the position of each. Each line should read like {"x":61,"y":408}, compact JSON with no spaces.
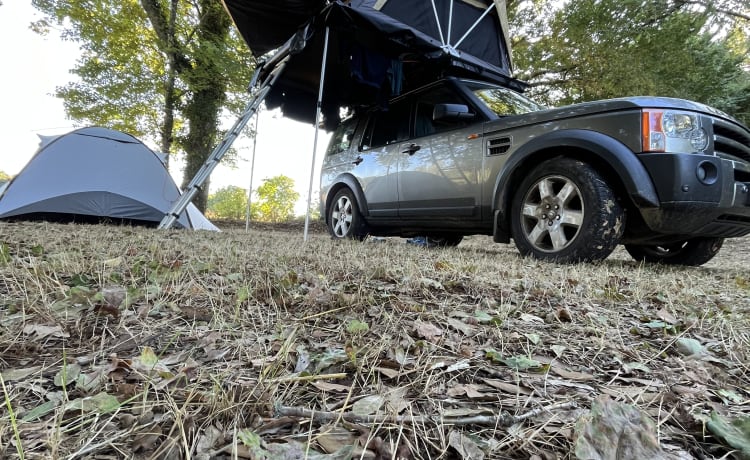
{"x":276,"y":199}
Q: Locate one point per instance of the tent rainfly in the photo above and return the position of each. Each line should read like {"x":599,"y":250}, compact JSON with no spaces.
{"x":95,"y":173}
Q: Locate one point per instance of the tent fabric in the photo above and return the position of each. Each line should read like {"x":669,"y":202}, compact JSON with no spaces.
{"x":402,"y":32}
{"x":96,"y":172}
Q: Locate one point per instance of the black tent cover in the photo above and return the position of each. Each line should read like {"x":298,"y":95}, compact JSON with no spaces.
{"x":377,"y":48}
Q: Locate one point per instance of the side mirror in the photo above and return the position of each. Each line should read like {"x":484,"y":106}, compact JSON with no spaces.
{"x":451,"y":112}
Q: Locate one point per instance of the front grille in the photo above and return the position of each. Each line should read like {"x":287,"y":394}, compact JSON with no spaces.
{"x":731,"y":140}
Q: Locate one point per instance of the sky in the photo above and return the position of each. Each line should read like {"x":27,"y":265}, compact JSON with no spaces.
{"x":33,"y":66}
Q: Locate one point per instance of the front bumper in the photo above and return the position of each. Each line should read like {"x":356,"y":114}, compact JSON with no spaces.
{"x":700,"y":195}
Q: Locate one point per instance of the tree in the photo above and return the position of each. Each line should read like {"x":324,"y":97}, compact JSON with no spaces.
{"x":276,"y":199}
{"x":594,"y":49}
{"x":158,"y":69}
{"x":3,"y":175}
{"x":227,"y":203}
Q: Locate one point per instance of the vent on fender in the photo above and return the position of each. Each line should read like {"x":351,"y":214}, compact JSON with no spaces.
{"x":499,"y":145}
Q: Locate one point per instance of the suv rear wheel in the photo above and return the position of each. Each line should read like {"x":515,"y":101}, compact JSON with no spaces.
{"x":696,"y":251}
{"x":564,"y":211}
{"x":344,"y":219}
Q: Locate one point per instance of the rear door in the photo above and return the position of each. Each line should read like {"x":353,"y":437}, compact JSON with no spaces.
{"x":376,"y":165}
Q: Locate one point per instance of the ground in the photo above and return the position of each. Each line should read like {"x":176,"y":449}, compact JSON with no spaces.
{"x":126,"y":342}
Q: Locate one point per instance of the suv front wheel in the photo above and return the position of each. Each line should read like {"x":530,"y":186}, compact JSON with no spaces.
{"x":694,"y":252}
{"x":564,"y":211}
{"x":344,"y":219}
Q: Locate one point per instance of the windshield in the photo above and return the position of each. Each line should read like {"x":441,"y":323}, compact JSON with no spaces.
{"x":503,"y":101}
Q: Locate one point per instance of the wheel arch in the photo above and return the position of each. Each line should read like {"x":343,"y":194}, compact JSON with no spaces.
{"x":350,"y":182}
{"x":612,"y":159}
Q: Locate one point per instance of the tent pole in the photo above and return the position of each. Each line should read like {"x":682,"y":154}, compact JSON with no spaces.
{"x":252,"y":170}
{"x":486,"y":12}
{"x":437,"y":20}
{"x":450,"y":24}
{"x":317,"y":129}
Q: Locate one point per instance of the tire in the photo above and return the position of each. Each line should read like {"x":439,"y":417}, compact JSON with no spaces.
{"x":565,"y":212}
{"x":693,"y":252}
{"x":343,"y":219}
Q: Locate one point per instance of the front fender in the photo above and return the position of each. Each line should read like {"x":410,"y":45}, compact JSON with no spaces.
{"x":621,"y":161}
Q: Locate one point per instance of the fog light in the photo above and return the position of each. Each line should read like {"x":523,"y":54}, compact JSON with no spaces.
{"x":707,"y":173}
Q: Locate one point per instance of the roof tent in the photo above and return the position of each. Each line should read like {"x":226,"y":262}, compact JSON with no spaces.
{"x":377,"y":49}
{"x":357,"y":53}
{"x":94,"y":173}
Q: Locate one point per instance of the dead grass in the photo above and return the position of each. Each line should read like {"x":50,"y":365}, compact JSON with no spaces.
{"x":120,"y":342}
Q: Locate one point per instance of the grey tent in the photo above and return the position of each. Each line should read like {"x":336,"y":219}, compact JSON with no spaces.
{"x":93,"y":173}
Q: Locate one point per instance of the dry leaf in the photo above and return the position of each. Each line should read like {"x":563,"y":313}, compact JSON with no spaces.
{"x":427,"y":330}
{"x":465,"y":447}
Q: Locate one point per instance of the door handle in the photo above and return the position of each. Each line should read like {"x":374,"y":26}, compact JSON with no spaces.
{"x":358,"y":161}
{"x":411,"y":149}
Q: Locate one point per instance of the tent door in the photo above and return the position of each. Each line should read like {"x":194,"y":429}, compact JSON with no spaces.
{"x":215,"y":157}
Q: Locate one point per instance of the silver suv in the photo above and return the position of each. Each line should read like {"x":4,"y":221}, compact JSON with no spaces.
{"x":668,"y":178}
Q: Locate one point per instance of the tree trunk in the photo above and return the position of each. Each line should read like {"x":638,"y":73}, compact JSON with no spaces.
{"x":207,"y":83}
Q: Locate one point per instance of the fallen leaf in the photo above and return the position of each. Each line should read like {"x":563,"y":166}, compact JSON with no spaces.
{"x":67,"y":375}
{"x":613,"y":430}
{"x":460,"y":326}
{"x":735,"y":432}
{"x":571,"y":375}
{"x":522,"y":363}
{"x":666,"y":316}
{"x":689,"y":347}
{"x":529,"y":318}
{"x":465,"y":446}
{"x":10,"y":375}
{"x":332,"y":387}
{"x":427,"y":330}
{"x":469,"y":389}
{"x":41,"y":331}
{"x":511,"y":388}
{"x":368,"y":405}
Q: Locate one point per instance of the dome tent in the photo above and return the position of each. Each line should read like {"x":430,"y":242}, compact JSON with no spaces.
{"x":96,"y":173}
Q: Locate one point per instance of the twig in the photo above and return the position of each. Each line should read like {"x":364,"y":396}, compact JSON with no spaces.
{"x":486,"y":420}
{"x":308,"y":378}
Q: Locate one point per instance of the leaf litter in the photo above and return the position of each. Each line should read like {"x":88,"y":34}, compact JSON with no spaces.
{"x":122,"y":342}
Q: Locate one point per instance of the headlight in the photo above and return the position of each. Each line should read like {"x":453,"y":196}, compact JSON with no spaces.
{"x":671,"y":131}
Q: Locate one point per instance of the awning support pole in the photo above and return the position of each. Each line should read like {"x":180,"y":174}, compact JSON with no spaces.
{"x":252,"y":171}
{"x":214,"y":158}
{"x":450,"y":24}
{"x":317,"y":129}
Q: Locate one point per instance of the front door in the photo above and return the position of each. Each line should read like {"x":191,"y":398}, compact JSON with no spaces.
{"x":439,"y":166}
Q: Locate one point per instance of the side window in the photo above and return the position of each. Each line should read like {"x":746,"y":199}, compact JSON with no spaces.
{"x":387,"y":127}
{"x":342,"y":138}
{"x":424,"y":125}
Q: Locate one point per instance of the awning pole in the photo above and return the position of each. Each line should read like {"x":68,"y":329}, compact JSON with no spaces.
{"x":486,"y":12}
{"x":317,"y":129}
{"x":252,"y":170}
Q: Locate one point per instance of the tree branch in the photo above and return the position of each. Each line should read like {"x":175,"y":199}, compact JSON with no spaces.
{"x":484,"y":420}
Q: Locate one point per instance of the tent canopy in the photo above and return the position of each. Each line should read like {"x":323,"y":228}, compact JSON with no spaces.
{"x":377,"y":48}
{"x":95,"y":173}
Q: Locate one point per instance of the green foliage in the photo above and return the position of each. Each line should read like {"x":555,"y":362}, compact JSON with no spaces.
{"x":227,"y":203}
{"x":4,"y":176}
{"x":276,"y":199}
{"x":596,"y":49}
{"x":160,"y":70}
